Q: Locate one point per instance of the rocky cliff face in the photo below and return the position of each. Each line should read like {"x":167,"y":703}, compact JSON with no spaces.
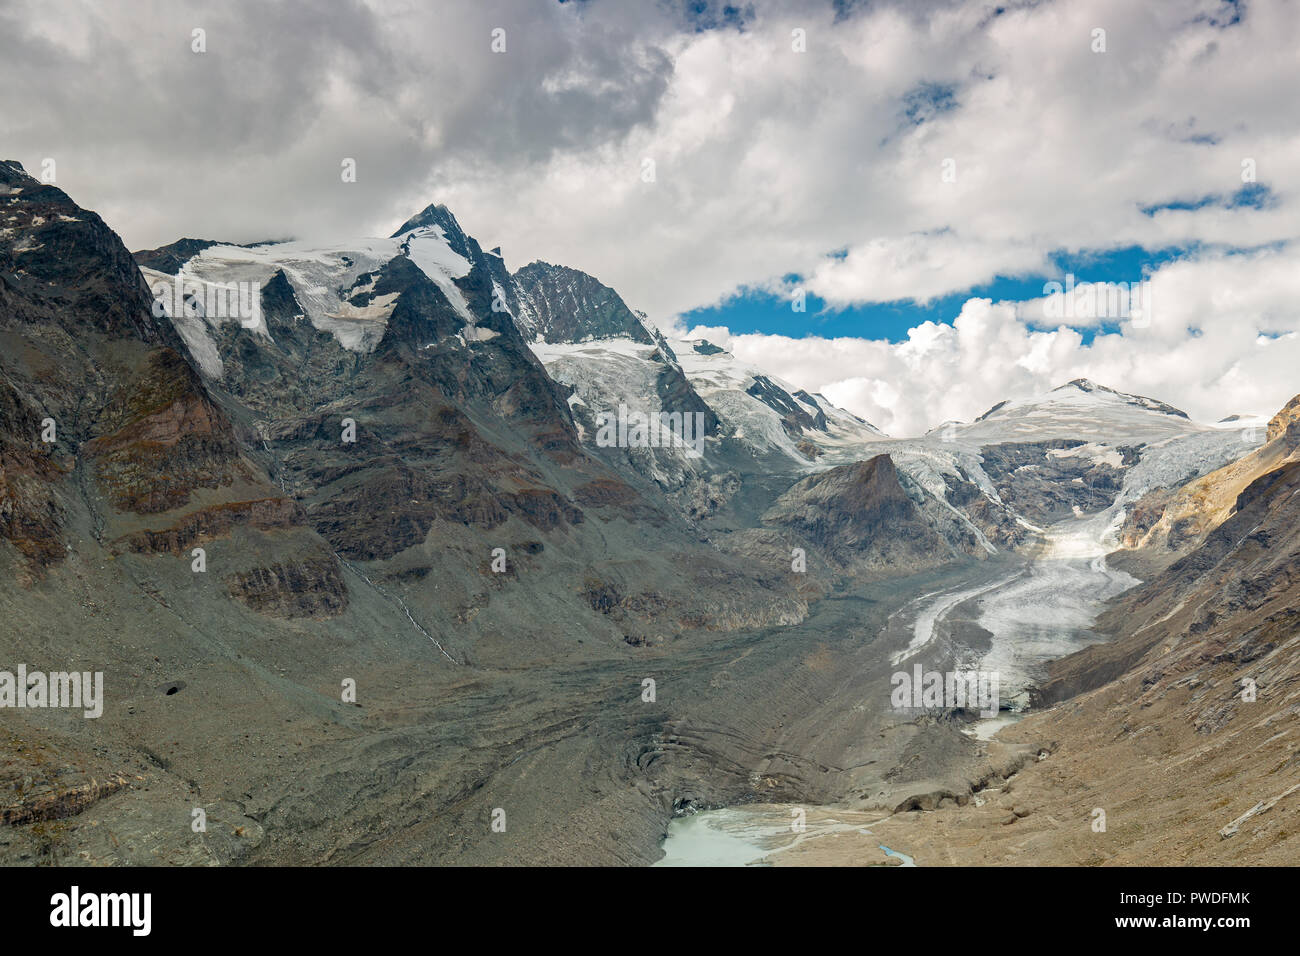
{"x":555,"y":307}
{"x":564,"y":305}
{"x":860,"y":517}
{"x":1171,"y":521}
{"x":1230,"y":598}
{"x":136,"y":444}
{"x":1046,"y":481}
{"x":172,"y":257}
{"x":1283,"y":423}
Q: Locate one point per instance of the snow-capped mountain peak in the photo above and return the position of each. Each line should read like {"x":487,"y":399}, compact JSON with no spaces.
{"x":1079,"y":409}
{"x":982,"y":483}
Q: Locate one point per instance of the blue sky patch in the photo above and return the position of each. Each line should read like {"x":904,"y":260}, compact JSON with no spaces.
{"x":762,"y":312}
{"x":923,"y":103}
{"x":1249,"y":196}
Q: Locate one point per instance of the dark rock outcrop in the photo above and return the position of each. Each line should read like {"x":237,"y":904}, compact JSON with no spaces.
{"x":136,"y":430}
{"x":859,"y":515}
{"x":795,"y":419}
{"x":172,"y":257}
{"x":1046,"y":487}
{"x":308,"y":587}
{"x":565,"y":305}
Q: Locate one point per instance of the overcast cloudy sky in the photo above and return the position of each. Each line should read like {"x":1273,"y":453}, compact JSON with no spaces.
{"x":917,"y":170}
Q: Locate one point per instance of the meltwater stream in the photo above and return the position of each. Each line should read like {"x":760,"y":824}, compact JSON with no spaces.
{"x":1034,"y":614}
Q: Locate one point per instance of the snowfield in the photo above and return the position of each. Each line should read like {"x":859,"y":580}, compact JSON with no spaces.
{"x":323,"y":278}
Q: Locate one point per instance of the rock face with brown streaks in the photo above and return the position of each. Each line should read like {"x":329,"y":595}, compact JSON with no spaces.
{"x":1168,"y":522}
{"x":31,"y":516}
{"x":1284,"y":421}
{"x":163,"y":438}
{"x":309,"y":587}
{"x":860,"y":517}
{"x":135,"y":434}
{"x":216,"y":521}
